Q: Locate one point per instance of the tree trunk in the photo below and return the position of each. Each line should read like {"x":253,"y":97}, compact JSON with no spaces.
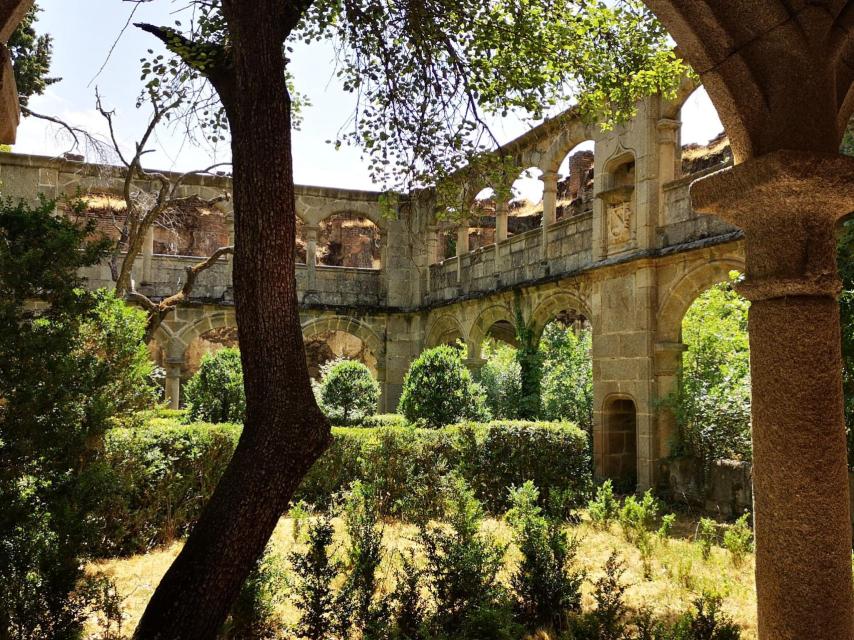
{"x":284,"y":431}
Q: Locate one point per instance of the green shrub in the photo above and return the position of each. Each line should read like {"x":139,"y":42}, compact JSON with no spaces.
{"x":215,"y":393}
{"x":545,"y":586}
{"x":462,"y":566}
{"x":604,"y":508}
{"x":383,"y":420}
{"x":438,"y":390}
{"x":160,"y":475}
{"x":738,"y":539}
{"x":608,"y":620}
{"x":706,"y":622}
{"x":315,"y":570}
{"x":347,"y":391}
{"x":707,"y":536}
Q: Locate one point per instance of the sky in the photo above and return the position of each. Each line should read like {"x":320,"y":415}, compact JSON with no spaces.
{"x":84,"y":32}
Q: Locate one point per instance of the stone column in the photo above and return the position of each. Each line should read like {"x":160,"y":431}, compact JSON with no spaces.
{"x":788,"y":204}
{"x":668,"y":158}
{"x":311,"y":256}
{"x":549,"y":179}
{"x":173,"y":382}
{"x":462,"y":246}
{"x":147,"y":254}
{"x":668,"y":362}
{"x":500,"y":222}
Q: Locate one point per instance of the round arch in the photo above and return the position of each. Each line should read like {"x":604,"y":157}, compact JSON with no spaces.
{"x":180,"y":341}
{"x":483,"y":323}
{"x":552,"y":305}
{"x":570,"y":137}
{"x":352,"y":326}
{"x":682,"y":294}
{"x":445,"y":329}
{"x":360,"y":209}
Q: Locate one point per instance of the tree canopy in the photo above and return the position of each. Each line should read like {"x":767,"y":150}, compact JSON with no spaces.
{"x":31,"y":56}
{"x":426,"y":76}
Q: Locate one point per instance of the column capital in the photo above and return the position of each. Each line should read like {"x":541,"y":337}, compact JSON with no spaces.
{"x":311,"y":231}
{"x":667,"y":129}
{"x":788,"y":203}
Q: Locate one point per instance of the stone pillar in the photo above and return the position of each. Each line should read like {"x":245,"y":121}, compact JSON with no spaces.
{"x":311,"y":256}
{"x":549,"y":179}
{"x":788,"y":204}
{"x":501,"y":215}
{"x":147,"y":254}
{"x":668,"y":158}
{"x":173,"y":382}
{"x":668,"y":362}
{"x":462,"y":247}
{"x":475,"y":364}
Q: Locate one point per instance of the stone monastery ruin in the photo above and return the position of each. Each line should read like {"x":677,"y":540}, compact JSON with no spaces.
{"x":616,"y":243}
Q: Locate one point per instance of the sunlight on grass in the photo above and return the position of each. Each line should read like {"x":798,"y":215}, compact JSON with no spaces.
{"x":678,"y":570}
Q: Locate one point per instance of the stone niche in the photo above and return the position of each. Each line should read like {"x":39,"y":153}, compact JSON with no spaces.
{"x":619,"y":227}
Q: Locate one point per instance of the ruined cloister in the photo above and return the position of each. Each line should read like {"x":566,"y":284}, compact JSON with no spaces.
{"x":781,"y":75}
{"x":629,"y":254}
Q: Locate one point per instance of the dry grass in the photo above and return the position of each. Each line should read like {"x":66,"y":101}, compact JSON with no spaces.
{"x":678,"y":570}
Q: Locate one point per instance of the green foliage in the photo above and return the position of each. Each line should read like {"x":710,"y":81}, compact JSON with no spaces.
{"x":438,"y":390}
{"x":530,"y":364}
{"x":347,"y":391}
{"x":707,"y":622}
{"x":638,"y":518}
{"x":315,"y":570}
{"x":738,"y":539}
{"x":713,"y":404}
{"x":159,"y":475}
{"x":608,"y":620}
{"x":666,"y":526}
{"x":357,"y":610}
{"x":215,"y":393}
{"x":410,"y":611}
{"x":567,"y":385}
{"x":462,"y":569}
{"x":604,"y":508}
{"x":501,"y":379}
{"x":545,"y":586}
{"x":31,"y":57}
{"x":253,"y":615}
{"x":707,"y":536}
{"x":69,"y":361}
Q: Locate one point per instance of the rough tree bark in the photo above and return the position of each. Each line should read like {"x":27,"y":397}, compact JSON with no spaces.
{"x":284,"y":432}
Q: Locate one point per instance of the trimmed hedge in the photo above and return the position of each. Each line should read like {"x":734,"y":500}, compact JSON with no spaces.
{"x":163,"y":473}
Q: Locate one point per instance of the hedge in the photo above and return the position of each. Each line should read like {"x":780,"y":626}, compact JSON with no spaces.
{"x":164,"y":472}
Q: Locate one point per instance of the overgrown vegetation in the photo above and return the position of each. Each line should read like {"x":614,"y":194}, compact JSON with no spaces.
{"x":712,"y":405}
{"x":70,"y":362}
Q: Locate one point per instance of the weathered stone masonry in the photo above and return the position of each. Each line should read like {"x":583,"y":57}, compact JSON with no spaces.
{"x":632,"y":266}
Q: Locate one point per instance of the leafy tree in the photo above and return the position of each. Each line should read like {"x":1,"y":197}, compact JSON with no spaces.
{"x":438,"y":390}
{"x":501,"y":379}
{"x":713,"y":403}
{"x":215,"y":393}
{"x":348,"y":391}
{"x":70,"y":361}
{"x":567,"y":385}
{"x":422,"y":73}
{"x":31,"y":56}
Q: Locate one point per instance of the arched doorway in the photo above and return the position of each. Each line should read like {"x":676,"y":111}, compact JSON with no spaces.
{"x":620,"y":454}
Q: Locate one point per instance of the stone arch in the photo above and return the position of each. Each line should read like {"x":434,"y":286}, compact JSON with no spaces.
{"x":569,"y":137}
{"x":354,"y":327}
{"x":361,"y":209}
{"x":484,"y":322}
{"x":442,"y":329}
{"x":685,"y":290}
{"x":552,"y":305}
{"x":180,"y":341}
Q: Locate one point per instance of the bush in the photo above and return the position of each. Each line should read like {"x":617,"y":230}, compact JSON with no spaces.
{"x":707,"y":536}
{"x":462,"y":566}
{"x":160,"y":475}
{"x":383,"y":420}
{"x":546,"y":588}
{"x":604,"y":508}
{"x":738,"y":539}
{"x":315,"y":570}
{"x":215,"y":393}
{"x":347,"y":391}
{"x":253,"y":615}
{"x":438,"y":390}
